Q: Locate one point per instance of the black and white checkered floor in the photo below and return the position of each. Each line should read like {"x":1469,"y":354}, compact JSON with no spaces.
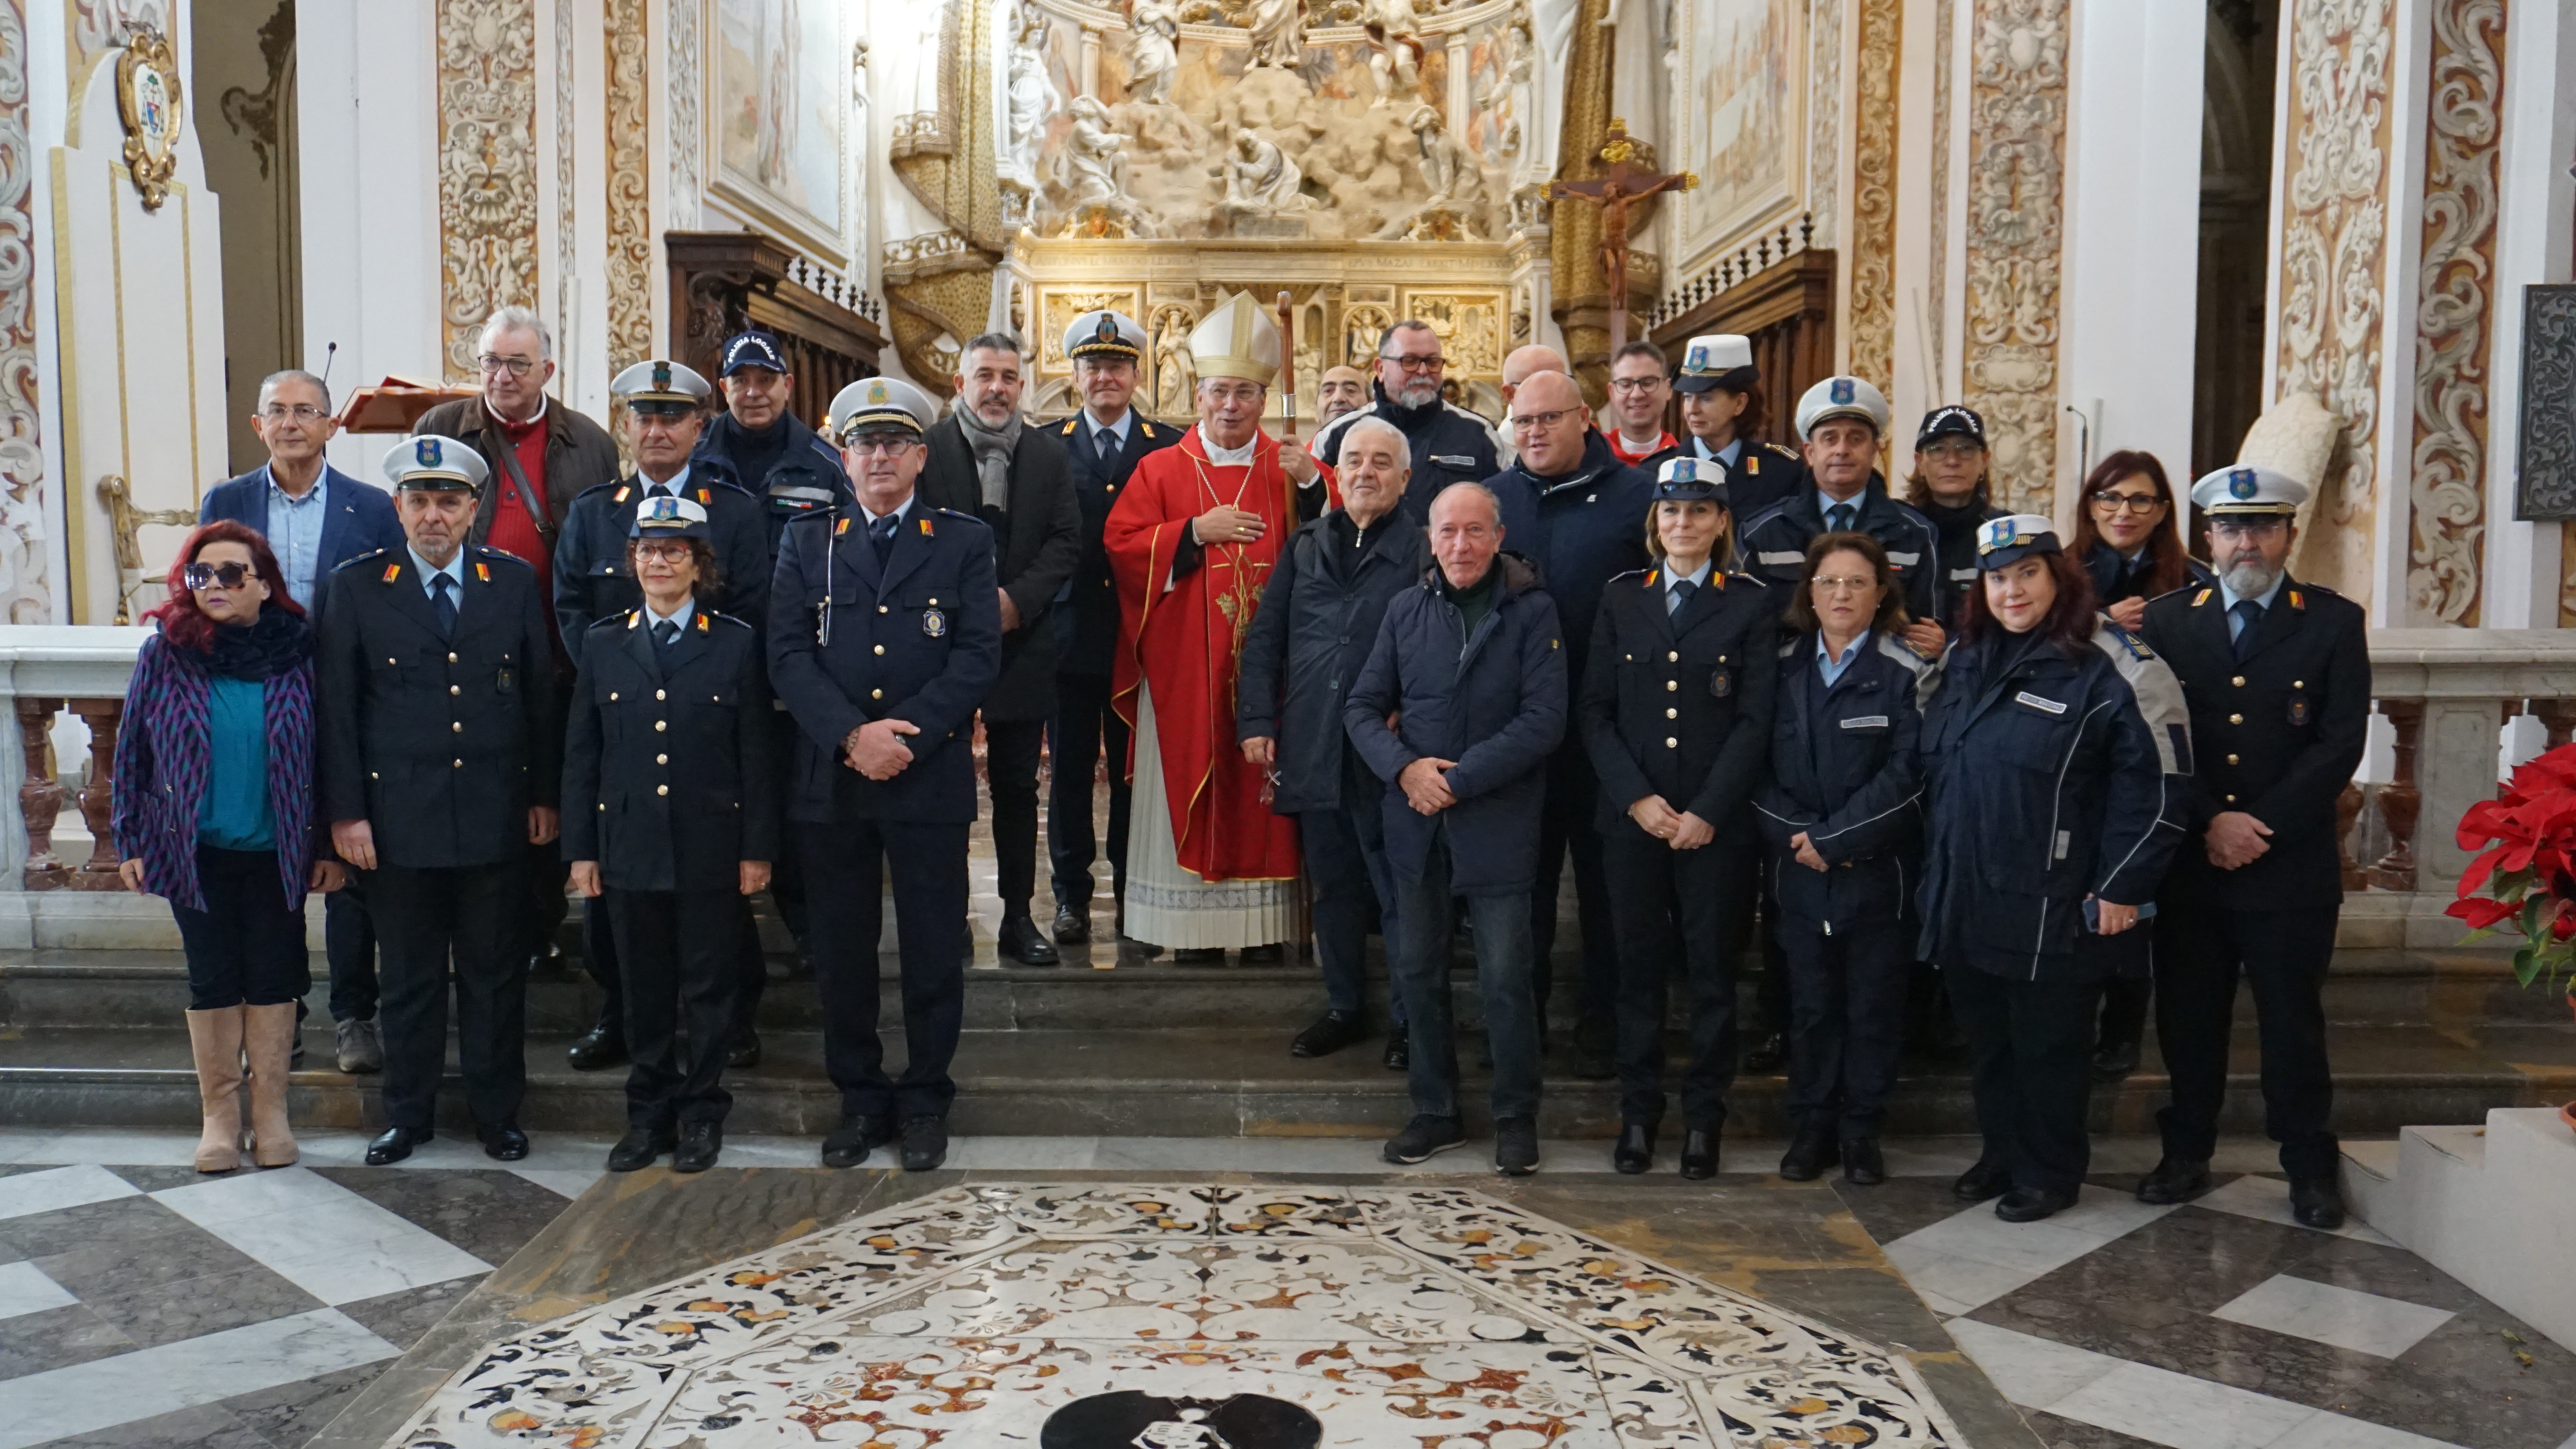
{"x":142,"y":1305}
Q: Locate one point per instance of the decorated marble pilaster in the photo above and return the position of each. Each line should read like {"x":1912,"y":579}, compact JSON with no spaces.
{"x":26,"y":596}
{"x":487,"y":163}
{"x":2013,"y":235}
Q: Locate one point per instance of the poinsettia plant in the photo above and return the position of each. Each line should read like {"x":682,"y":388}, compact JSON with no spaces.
{"x":2525,"y":873}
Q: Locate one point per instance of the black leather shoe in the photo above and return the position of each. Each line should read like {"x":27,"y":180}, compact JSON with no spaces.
{"x":395,"y":1144}
{"x":505,"y":1143}
{"x":1810,"y":1153}
{"x":1699,"y":1153}
{"x":849,"y":1144}
{"x":1270,"y":955}
{"x":2113,"y":1060}
{"x":925,"y":1143}
{"x":699,"y":1144}
{"x":744,"y":1049}
{"x":1331,"y":1032}
{"x":598,"y":1049}
{"x":1399,"y":1051}
{"x":2176,"y":1179}
{"x":1863,"y":1164}
{"x":1985,"y":1180}
{"x":1636,"y":1150}
{"x":1022,"y":941}
{"x":2030,"y":1204}
{"x":1765,"y":1059}
{"x":636,"y":1150}
{"x":1199,"y":956}
{"x":1072,"y":926}
{"x":2317,"y":1203}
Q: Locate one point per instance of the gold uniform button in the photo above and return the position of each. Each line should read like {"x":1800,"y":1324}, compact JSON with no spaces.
{"x":881,"y":649}
{"x":456,"y":727}
{"x":2298,"y":684}
{"x":455,"y":689}
{"x":657,"y":694}
{"x":612,"y":696}
{"x":1673,"y":657}
{"x":2236,"y":719}
{"x":1671,"y":744}
{"x":661,"y":789}
{"x":660,"y":725}
{"x":451,"y":658}
{"x":881,"y":608}
{"x":1672,"y":684}
{"x":2231,"y":759}
{"x":1672,"y":714}
{"x":661,"y":759}
{"x":459,"y":764}
{"x":2231,"y":799}
{"x":876,"y":694}
{"x":2238,"y":681}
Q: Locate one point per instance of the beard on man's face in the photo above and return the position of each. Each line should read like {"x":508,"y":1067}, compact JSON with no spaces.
{"x":2248,"y":575}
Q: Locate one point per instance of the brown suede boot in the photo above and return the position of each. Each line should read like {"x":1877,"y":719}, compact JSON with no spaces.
{"x":268,"y":1032}
{"x":215,"y":1037}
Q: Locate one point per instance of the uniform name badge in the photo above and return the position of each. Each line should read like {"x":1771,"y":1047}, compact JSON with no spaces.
{"x":2299,"y":711}
{"x":934,"y":624}
{"x":1720,"y":682}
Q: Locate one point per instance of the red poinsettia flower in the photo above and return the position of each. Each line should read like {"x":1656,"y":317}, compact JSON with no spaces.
{"x":2479,"y":911}
{"x":2526,"y":862}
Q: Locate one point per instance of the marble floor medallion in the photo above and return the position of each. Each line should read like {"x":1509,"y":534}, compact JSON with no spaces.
{"x":1178,"y":1317}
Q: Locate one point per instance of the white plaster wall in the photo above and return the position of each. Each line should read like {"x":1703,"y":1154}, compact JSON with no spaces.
{"x":47,"y":99}
{"x":2131,"y":268}
{"x":2534,"y":197}
{"x":1919,"y":383}
{"x":368,"y":125}
{"x":2409,"y":82}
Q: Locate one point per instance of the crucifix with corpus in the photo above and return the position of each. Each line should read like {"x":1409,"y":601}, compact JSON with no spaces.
{"x":1619,"y":186}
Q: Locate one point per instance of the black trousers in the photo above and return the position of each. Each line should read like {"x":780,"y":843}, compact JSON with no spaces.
{"x":2200,"y":952}
{"x":245,"y":948}
{"x":1504,"y":960}
{"x":1677,"y":912}
{"x":546,"y":904}
{"x":847,"y":863}
{"x":349,"y":944}
{"x":1083,"y":731}
{"x":1354,"y":889}
{"x":1011,"y":775}
{"x":2030,"y":1046}
{"x":1846,"y":1019}
{"x":1567,"y":828}
{"x":679,"y":951}
{"x":2124,"y":1009}
{"x":599,"y":957}
{"x":467,"y":924}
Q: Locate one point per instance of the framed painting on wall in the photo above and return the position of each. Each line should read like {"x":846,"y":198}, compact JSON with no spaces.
{"x":779,"y":112}
{"x":1741,"y":116}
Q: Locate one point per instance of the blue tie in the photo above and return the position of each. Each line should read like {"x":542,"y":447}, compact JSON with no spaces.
{"x":1838,"y":519}
{"x":2248,"y":614}
{"x":442,"y":597}
{"x":1678,"y":597}
{"x":1105,"y":442}
{"x":665,"y":634}
{"x":881,"y":534}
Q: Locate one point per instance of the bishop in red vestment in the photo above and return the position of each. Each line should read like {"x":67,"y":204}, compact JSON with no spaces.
{"x":1191,"y":542}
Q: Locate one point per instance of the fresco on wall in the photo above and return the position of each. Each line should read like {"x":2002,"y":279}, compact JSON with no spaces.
{"x":779,"y":109}
{"x":1738,"y":115}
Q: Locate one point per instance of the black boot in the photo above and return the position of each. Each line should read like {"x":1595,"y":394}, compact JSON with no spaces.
{"x":1699,"y":1153}
{"x":1863,"y":1164}
{"x":1636,"y":1150}
{"x":2176,"y":1179}
{"x":1022,"y":941}
{"x":1072,"y":925}
{"x":1984,"y":1180}
{"x":2316,"y":1202}
{"x":601,"y":1047}
{"x":1810,"y":1153}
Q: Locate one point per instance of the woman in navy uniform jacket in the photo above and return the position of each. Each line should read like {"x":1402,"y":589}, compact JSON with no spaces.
{"x":1843,"y":814}
{"x":671,"y":809}
{"x":1676,"y":716}
{"x":2058,"y":755}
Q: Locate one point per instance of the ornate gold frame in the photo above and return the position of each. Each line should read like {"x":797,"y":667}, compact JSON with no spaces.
{"x":148,"y":49}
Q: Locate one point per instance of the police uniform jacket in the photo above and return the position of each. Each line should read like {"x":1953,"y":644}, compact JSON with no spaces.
{"x":806,"y":478}
{"x":1679,"y":704}
{"x":1317,"y":622}
{"x":2051,"y":778}
{"x":1776,"y":541}
{"x":668,"y":781}
{"x":1097,"y":482}
{"x":1956,"y":551}
{"x":1845,"y":773}
{"x":1449,"y":445}
{"x":593,"y":580}
{"x":1494,"y":701}
{"x":441,"y":743}
{"x":1762,"y":474}
{"x":1582,"y":528}
{"x":2277,"y":735}
{"x":2115,"y":578}
{"x":919,"y":640}
{"x":1037,"y":546}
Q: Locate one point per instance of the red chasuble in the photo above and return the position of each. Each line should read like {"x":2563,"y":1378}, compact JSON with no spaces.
{"x":1185,"y":644}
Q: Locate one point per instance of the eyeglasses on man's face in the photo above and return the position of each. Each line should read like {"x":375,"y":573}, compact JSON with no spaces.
{"x":515,"y":366}
{"x":2247,"y":528}
{"x":1523,"y":422}
{"x":1416,"y":361}
{"x":1955,"y":448}
{"x":1635,"y":384}
{"x":300,"y":412}
{"x":876,"y":447}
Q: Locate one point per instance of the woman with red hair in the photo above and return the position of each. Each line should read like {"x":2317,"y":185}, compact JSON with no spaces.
{"x":214,"y":811}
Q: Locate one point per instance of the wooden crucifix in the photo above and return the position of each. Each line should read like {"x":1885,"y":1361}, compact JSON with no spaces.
{"x":1619,"y":186}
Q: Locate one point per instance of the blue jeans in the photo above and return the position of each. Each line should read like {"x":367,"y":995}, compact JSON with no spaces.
{"x":1346,"y":865}
{"x":1501,"y":925}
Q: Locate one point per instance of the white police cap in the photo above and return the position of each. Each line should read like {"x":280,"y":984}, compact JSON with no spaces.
{"x":666,"y":515}
{"x":880,"y":403}
{"x":1720,"y":359}
{"x":658,"y":385}
{"x":2248,"y":489}
{"x":1841,"y":397}
{"x":1104,"y":334}
{"x":2014,"y":537}
{"x":1687,"y":479}
{"x":429,"y":461}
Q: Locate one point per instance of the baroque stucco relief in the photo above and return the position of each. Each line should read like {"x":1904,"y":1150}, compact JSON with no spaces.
{"x":487,"y":168}
{"x":24,"y":597}
{"x":630,"y":213}
{"x":2015,"y":237}
{"x":1873,"y":223}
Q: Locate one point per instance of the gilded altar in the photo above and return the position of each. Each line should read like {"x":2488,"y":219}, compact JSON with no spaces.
{"x":1342,"y":298}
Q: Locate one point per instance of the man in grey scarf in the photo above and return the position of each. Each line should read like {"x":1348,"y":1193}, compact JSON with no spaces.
{"x":985,"y":464}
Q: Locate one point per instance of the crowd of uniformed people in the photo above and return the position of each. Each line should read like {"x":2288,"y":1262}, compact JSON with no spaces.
{"x":1941,"y":770}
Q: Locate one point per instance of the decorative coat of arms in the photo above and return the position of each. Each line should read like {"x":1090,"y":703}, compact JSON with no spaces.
{"x":148,"y":100}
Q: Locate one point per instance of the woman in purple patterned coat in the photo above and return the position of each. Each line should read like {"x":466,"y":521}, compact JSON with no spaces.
{"x":214,"y":810}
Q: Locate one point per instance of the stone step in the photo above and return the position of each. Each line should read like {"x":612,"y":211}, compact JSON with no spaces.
{"x":1240,"y":1082}
{"x":146,"y":989}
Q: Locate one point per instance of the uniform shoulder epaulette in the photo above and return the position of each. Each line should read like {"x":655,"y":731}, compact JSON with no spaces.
{"x":724,"y":618}
{"x":1901,"y":649}
{"x":1145,"y":425}
{"x":2137,"y":647}
{"x":1647,"y":574}
{"x":361,"y":558}
{"x":2171,"y":593}
{"x":1067,"y":429}
{"x":718,"y":480}
{"x":1783,"y":452}
{"x":1789,"y":648}
{"x":600,"y":488}
{"x":1756,"y":580}
{"x":498,"y":555}
{"x":625,"y":620}
{"x":956,"y":513}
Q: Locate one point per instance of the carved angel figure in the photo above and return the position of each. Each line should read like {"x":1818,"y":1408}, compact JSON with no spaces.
{"x":1278,"y":32}
{"x":1449,"y":169}
{"x":1095,"y":156}
{"x":1032,"y":96}
{"x":1153,"y":50}
{"x":1260,"y":178}
{"x":1395,"y":60}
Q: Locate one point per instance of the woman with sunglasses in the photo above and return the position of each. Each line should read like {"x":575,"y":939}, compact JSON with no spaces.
{"x":671,"y":812}
{"x":2053,"y":753}
{"x":1675,"y":714}
{"x":215,"y":812}
{"x":1842,"y":812}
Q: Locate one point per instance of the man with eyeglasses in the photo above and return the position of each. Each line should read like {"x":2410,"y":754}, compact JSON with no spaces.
{"x":2277,"y":677}
{"x":1639,"y":393}
{"x":594,"y":580}
{"x":759,"y":439}
{"x":885,"y":633}
{"x":1449,"y":444}
{"x":1841,"y":421}
{"x":1717,"y":383}
{"x":317,"y":518}
{"x":1571,"y":507}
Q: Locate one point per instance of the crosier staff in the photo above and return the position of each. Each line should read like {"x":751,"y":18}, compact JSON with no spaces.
{"x":1287,"y":373}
